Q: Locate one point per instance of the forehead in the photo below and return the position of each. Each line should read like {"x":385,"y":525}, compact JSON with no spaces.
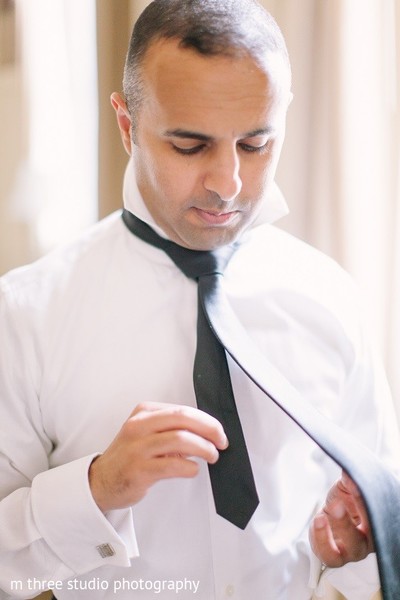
{"x":186,"y":89}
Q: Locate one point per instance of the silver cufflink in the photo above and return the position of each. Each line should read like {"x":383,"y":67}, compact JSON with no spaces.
{"x":105,"y":550}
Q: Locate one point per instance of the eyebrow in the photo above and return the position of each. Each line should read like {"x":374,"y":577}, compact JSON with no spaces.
{"x":194,"y":135}
{"x":191,"y":135}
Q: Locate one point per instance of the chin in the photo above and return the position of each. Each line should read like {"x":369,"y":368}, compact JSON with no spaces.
{"x":209,"y":240}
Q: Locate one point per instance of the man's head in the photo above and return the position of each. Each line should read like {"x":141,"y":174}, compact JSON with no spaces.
{"x":210,"y":27}
{"x":207,"y":85}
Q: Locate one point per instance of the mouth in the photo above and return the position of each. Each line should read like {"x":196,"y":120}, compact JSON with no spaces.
{"x":211,"y":217}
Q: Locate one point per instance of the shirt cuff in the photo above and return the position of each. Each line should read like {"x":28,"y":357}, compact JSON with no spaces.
{"x":71,"y":523}
{"x":355,"y":580}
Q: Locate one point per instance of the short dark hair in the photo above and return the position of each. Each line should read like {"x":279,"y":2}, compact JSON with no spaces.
{"x":210,"y":27}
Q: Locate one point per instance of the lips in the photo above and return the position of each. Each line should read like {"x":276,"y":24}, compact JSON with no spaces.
{"x":216,"y":218}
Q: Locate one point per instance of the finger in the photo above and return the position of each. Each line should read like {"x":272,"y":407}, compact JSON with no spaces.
{"x":323,"y":542}
{"x":346,"y":491}
{"x":181,"y":443}
{"x":156,"y":417}
{"x":355,"y":504}
{"x":349,"y":485}
{"x":171,"y":467}
{"x":349,"y":538}
{"x":343,"y":495}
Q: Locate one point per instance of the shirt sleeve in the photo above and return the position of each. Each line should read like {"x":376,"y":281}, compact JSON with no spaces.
{"x":51,"y":528}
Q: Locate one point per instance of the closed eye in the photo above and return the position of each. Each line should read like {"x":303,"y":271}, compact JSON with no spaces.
{"x":197,"y":149}
{"x":258,"y":149}
{"x":189,"y":151}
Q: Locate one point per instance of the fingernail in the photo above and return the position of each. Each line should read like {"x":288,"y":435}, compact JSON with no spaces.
{"x":349,"y":484}
{"x":346,"y":481}
{"x":338,"y":511}
{"x":216,"y":457}
{"x":345,"y":477}
{"x":319,"y":521}
{"x":224,"y":443}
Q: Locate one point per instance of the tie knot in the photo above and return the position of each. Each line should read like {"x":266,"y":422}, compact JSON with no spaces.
{"x":193,"y":263}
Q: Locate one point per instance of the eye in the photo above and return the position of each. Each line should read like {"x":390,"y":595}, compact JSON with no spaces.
{"x":188,"y":151}
{"x":257,"y":149}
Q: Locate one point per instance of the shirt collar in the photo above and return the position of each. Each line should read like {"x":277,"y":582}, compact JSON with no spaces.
{"x":274,"y":205}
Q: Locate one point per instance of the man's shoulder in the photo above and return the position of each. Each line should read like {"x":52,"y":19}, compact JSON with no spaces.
{"x":80,"y":259}
{"x":274,"y":266}
{"x":272,"y":249}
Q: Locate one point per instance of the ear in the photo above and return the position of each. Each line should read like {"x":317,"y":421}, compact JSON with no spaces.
{"x":123,"y":119}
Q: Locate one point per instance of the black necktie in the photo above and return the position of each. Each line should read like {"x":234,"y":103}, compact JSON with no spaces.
{"x":379,"y":488}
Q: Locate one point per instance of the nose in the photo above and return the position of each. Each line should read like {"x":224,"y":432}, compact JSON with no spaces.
{"x":223,"y":174}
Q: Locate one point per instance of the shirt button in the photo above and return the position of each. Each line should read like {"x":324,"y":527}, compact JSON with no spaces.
{"x":230,"y":590}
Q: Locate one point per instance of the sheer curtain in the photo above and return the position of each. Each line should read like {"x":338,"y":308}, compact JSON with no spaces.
{"x":340,"y":163}
{"x":55,"y":189}
{"x":393,"y":346}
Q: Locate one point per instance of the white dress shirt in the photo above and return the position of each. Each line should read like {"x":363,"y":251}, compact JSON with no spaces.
{"x":93,"y":329}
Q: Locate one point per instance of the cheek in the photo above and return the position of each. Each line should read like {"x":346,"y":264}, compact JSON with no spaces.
{"x":268,"y":168}
{"x":257,"y":176}
{"x":179,"y":178}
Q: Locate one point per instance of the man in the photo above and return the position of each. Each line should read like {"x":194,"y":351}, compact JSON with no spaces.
{"x":104,"y":453}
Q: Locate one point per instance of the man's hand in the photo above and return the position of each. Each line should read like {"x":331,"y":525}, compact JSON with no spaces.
{"x":340,"y":532}
{"x":158,"y":441}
